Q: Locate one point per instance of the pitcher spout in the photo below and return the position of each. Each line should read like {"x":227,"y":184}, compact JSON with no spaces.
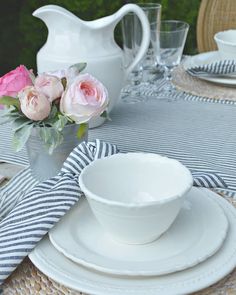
{"x":55,"y":16}
{"x":65,"y":32}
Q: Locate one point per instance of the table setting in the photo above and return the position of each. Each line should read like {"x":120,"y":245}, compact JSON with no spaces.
{"x":124,"y":183}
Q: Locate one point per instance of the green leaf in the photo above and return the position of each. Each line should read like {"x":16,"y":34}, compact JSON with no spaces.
{"x":69,"y":119}
{"x":20,"y":122}
{"x":21,"y":136}
{"x":8,"y":110}
{"x":10,"y":101}
{"x":55,"y":140}
{"x":53,"y":112}
{"x":64,"y":82}
{"x":60,"y":123}
{"x":79,"y":67}
{"x":6,"y":120}
{"x":105,"y":115}
{"x":45,"y":134}
{"x":10,"y":114}
{"x":52,"y":118}
{"x":51,"y":138}
{"x":82,"y":130}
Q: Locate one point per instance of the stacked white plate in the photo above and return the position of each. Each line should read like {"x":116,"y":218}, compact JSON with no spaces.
{"x":198,"y":250}
{"x":208,"y":58}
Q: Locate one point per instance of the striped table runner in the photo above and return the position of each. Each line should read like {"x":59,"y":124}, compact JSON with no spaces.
{"x":197,"y":131}
{"x":201,"y":134}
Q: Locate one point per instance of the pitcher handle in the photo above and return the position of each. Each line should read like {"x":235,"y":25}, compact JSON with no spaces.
{"x":145,"y":29}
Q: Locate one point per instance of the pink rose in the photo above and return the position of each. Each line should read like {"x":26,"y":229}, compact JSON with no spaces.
{"x":59,"y":73}
{"x":34,"y":104}
{"x":49,"y":85}
{"x":84,"y":98}
{"x":69,"y":73}
{"x":14,"y":81}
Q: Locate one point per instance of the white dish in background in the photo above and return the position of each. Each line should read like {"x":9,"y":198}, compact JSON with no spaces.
{"x":55,"y":265}
{"x":207,"y":58}
{"x":197,"y":233}
{"x":226,"y":43}
{"x":135,"y":196}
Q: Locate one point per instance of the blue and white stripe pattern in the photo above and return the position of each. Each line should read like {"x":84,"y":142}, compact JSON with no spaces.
{"x":218,"y":68}
{"x":29,"y":209}
{"x":208,"y":180}
{"x":199,"y":132}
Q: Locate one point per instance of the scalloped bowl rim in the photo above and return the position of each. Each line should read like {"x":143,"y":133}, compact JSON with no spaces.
{"x":95,"y":197}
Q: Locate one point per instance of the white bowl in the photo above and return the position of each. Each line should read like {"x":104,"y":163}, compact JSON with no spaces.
{"x":226,"y":43}
{"x":135,"y":196}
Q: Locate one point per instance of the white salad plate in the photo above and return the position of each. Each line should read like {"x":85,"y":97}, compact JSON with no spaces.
{"x":61,"y":269}
{"x":207,"y":58}
{"x":197,"y":233}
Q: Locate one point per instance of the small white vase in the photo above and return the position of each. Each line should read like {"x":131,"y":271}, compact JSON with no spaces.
{"x":43,"y":165}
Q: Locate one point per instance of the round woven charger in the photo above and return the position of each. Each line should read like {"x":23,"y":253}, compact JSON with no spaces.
{"x":185,"y":82}
{"x":28,"y":280}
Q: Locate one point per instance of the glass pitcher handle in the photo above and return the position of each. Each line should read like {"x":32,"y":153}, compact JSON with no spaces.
{"x":145,"y":30}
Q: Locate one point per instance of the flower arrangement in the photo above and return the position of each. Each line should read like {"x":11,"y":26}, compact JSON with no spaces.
{"x":52,"y":99}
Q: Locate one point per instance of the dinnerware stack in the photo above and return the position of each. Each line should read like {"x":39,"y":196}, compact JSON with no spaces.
{"x":195,"y":249}
{"x":216,"y":66}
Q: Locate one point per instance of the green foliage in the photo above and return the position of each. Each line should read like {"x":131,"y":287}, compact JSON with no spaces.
{"x":10,"y":101}
{"x":185,"y":10}
{"x":23,"y":35}
{"x":105,"y":115}
{"x":50,"y":128}
{"x":82,"y":130}
{"x":21,"y":135}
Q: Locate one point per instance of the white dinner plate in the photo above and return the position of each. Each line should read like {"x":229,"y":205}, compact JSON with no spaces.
{"x":55,"y":265}
{"x":207,"y":58}
{"x":197,"y":233}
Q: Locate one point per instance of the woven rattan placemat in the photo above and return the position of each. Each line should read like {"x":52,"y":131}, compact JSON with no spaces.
{"x":28,"y":280}
{"x":185,"y":82}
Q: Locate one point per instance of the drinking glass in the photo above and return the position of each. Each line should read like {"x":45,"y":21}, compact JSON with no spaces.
{"x":129,"y":45}
{"x":168,"y":38}
{"x":130,"y":93}
{"x":132,"y":36}
{"x":148,"y":66}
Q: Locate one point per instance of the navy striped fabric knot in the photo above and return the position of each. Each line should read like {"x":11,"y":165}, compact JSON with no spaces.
{"x":208,"y":180}
{"x":25,"y":217}
{"x":222,"y":67}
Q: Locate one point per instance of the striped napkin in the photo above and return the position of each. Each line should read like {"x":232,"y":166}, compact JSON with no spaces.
{"x":219,"y":68}
{"x":26,"y":216}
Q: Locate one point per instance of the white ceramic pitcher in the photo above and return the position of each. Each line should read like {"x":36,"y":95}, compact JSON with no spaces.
{"x":72,"y":40}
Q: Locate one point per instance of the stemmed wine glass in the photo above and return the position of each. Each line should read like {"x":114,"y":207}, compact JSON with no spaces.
{"x":132,"y":36}
{"x":168,"y":38}
{"x":148,"y":65}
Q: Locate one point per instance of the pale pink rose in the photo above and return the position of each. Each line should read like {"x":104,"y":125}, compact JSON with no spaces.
{"x":50,"y":86}
{"x":69,"y":73}
{"x":34,"y":104}
{"x":14,"y":81}
{"x":84,"y":98}
{"x":59,"y":73}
